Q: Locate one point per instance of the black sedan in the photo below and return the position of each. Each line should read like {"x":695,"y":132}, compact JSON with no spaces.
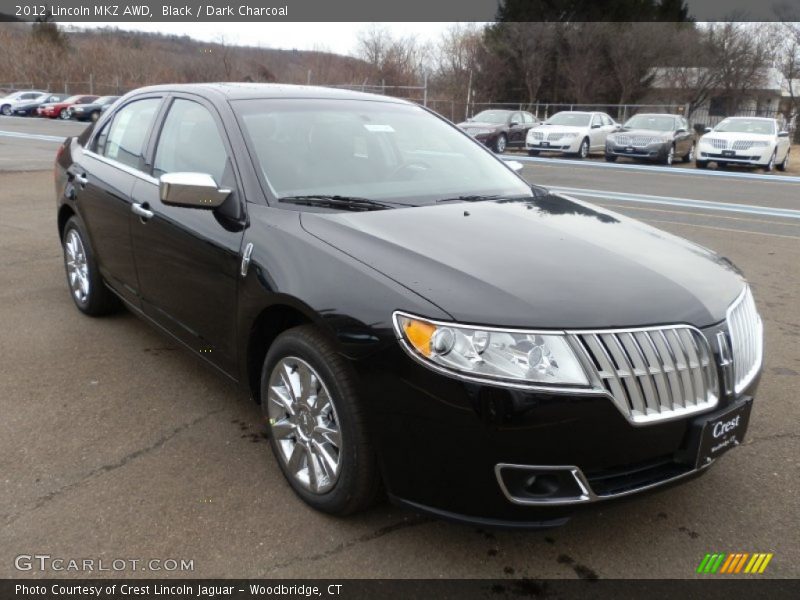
{"x":500,"y":129}
{"x":28,"y":109}
{"x":653,"y":137}
{"x":93,"y":110}
{"x":411,"y":314}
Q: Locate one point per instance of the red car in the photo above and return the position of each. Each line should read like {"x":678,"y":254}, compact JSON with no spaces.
{"x":61,"y":109}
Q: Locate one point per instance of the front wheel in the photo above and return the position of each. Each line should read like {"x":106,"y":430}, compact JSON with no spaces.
{"x":318,"y":432}
{"x":611,"y":158}
{"x":500,"y":143}
{"x":669,"y":158}
{"x":63,"y":114}
{"x":770,"y":166}
{"x":86,"y":286}
{"x":701,"y":164}
{"x":6,"y":110}
{"x":533,"y":153}
{"x":689,"y":157}
{"x":583,"y":151}
{"x":95,"y":115}
{"x":784,"y":163}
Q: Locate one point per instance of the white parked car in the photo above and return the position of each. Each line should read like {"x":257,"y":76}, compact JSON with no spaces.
{"x":7,"y":103}
{"x":753,"y":141}
{"x":571,"y":132}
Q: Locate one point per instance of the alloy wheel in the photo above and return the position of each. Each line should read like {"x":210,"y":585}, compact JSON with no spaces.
{"x":501,"y":144}
{"x":6,"y":110}
{"x":670,"y":155}
{"x":77,"y":266}
{"x":304,"y":424}
{"x":771,"y":164}
{"x":690,"y":158}
{"x":584,"y":151}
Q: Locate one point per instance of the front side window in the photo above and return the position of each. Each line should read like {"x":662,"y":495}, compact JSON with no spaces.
{"x":123,"y":140}
{"x":190,"y":142}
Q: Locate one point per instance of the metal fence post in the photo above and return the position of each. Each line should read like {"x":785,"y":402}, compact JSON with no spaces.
{"x":91,"y":83}
{"x":425,"y":90}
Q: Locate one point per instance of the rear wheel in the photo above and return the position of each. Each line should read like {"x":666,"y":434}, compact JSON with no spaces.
{"x":689,"y":157}
{"x":318,"y":430}
{"x":95,"y":115}
{"x":86,"y":286}
{"x":611,"y":158}
{"x":701,"y":164}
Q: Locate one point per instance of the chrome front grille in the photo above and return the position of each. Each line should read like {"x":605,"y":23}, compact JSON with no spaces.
{"x":747,"y":339}
{"x":554,"y":136}
{"x":537,"y":135}
{"x":639,"y":141}
{"x":718,"y":143}
{"x":653,"y":374}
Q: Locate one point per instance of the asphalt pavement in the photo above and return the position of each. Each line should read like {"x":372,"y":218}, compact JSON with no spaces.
{"x":116,"y":444}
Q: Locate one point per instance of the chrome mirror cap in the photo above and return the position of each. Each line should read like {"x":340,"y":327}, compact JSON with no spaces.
{"x":191,"y":190}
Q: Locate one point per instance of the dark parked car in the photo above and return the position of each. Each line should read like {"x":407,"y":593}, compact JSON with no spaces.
{"x":654,"y":137}
{"x":60,"y":110}
{"x":29,"y":109}
{"x":500,"y":129}
{"x":410,"y":313}
{"x":93,"y":110}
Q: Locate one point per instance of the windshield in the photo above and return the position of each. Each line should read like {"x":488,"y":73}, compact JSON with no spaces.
{"x":368,"y":149}
{"x":491,"y":116}
{"x":652,"y":123}
{"x":72,"y":99}
{"x":569,"y":118}
{"x":746,"y":126}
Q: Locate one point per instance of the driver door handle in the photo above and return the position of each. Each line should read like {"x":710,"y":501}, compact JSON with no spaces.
{"x":142,"y":211}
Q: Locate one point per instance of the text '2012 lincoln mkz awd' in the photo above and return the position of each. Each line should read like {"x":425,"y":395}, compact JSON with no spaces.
{"x":415,"y":319}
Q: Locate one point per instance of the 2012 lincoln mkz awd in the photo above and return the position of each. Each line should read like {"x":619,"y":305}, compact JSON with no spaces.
{"x":415,"y":319}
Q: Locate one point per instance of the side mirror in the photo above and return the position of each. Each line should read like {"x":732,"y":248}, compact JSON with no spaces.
{"x":680,"y":131}
{"x":191,"y":190}
{"x":515,"y":165}
{"x":707,"y":129}
{"x":513,"y":124}
{"x":783,"y":134}
{"x":595,"y":125}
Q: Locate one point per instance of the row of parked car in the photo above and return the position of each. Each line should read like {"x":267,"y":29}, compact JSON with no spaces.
{"x":656,"y":137}
{"x":33,"y":103}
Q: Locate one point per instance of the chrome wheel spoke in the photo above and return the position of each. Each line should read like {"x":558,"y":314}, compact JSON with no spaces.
{"x":280,"y":395}
{"x":328,"y":463}
{"x":284,"y":429}
{"x":329,"y":434}
{"x":295,"y":461}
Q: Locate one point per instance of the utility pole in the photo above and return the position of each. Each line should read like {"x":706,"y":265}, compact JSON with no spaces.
{"x":469,"y":93}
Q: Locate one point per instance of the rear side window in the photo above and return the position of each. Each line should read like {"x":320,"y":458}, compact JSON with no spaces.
{"x":123,"y":140}
{"x":190,"y":142}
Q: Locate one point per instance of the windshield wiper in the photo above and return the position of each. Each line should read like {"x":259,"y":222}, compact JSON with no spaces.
{"x":336,"y":201}
{"x":472,"y":198}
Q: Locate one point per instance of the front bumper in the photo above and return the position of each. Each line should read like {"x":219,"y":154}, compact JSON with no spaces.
{"x":752,"y":156}
{"x":448,"y":446}
{"x":564,"y":145}
{"x":651,"y":152}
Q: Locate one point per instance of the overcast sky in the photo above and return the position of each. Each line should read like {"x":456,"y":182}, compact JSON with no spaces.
{"x":334,"y":37}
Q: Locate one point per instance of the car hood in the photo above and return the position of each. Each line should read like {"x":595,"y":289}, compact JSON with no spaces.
{"x":479,"y":125}
{"x":560,"y":129}
{"x":665,"y":135}
{"x":553,"y":262}
{"x":732,"y":136}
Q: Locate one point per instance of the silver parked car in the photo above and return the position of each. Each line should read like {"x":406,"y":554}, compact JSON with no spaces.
{"x":571,"y":132}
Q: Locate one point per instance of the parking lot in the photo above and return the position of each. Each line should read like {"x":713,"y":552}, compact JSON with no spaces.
{"x":116,"y":444}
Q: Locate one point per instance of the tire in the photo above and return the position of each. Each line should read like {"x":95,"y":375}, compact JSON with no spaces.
{"x":6,"y":110}
{"x":784,"y":163}
{"x":533,"y":153}
{"x":770,"y":166}
{"x":701,"y":164}
{"x":583,"y":151}
{"x":669,"y":157}
{"x":350,"y":485}
{"x":500,"y":143}
{"x":611,"y":158}
{"x":63,"y":114}
{"x":94,"y":116}
{"x":86,"y":286}
{"x":689,"y":156}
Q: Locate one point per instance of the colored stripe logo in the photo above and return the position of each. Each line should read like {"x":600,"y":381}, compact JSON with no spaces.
{"x":735,"y":562}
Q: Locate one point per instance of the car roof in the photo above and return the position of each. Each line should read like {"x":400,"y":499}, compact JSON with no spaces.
{"x":655,"y":115}
{"x":748,"y":119}
{"x":249,"y":91}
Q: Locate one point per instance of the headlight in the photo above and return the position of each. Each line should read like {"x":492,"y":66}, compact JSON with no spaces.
{"x":570,"y":136}
{"x":513,"y":356}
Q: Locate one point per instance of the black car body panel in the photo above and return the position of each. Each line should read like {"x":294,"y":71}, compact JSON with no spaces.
{"x":547,"y":262}
{"x":514,"y":129}
{"x":93,"y":110}
{"x":682,"y":140}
